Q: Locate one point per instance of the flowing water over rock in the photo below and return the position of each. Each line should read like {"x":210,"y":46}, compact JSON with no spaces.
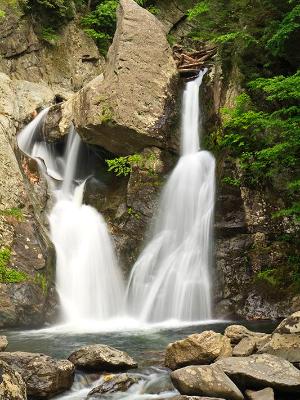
{"x":88,"y":279}
{"x":170,"y":280}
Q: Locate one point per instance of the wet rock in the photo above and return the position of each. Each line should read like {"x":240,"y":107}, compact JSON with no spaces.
{"x":101,"y":358}
{"x":264,"y":394}
{"x":286,"y":346}
{"x":245,"y":347}
{"x":101,"y":111}
{"x":290,"y":324}
{"x":199,"y":348}
{"x":44,"y":377}
{"x":205,"y":381}
{"x":260,"y":371}
{"x":3,"y":343}
{"x":238,"y":332}
{"x":12,"y":386}
{"x":113,"y":383}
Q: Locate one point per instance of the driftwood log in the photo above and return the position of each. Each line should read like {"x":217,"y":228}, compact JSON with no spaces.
{"x":190,"y":63}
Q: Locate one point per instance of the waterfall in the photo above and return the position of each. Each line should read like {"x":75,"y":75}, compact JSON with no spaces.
{"x":171,"y":278}
{"x":88,"y":279}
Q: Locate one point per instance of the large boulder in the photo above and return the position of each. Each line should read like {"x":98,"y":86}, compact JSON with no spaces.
{"x":100,"y":357}
{"x":199,"y":348}
{"x":3,"y":343}
{"x":12,"y":386}
{"x":290,"y":324}
{"x":245,"y":347}
{"x":205,"y":381}
{"x":261,"y":370}
{"x":180,"y":397}
{"x":238,"y":332}
{"x":113,"y":383}
{"x":286,"y":346}
{"x":44,"y":377}
{"x":131,"y":106}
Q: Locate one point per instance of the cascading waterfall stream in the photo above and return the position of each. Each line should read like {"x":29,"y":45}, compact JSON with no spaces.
{"x":88,"y":279}
{"x":171,"y":278}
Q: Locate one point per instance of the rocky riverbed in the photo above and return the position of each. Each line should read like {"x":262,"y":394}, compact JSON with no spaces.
{"x":239,"y":363}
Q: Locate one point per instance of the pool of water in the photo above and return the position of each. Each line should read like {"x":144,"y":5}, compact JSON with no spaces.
{"x":146,"y":346}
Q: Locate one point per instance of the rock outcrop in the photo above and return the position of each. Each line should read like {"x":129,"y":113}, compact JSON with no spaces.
{"x":3,"y":343}
{"x":202,"y":348}
{"x":131,"y":106}
{"x":100,"y":357}
{"x":260,"y":371}
{"x":44,"y":377}
{"x":12,"y":386}
{"x":205,"y":381}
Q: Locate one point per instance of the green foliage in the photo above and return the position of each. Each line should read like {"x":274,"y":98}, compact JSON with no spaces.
{"x":2,"y":14}
{"x":231,"y":181}
{"x":16,"y":213}
{"x":9,"y":275}
{"x":49,"y":35}
{"x":41,"y":280}
{"x":122,"y":166}
{"x":100,"y":24}
{"x":285,"y":29}
{"x":106,"y":114}
{"x":132,"y":212}
{"x":198,"y":9}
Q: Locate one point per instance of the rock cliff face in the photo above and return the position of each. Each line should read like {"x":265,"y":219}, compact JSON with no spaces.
{"x":32,"y":75}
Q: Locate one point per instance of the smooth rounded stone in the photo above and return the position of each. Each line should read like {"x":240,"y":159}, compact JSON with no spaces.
{"x":44,"y":377}
{"x":113,"y":383}
{"x":199,"y":348}
{"x":290,"y":324}
{"x":245,"y":347}
{"x":264,"y":394}
{"x":238,"y":332}
{"x":261,"y":370}
{"x":286,"y":346}
{"x":204,"y":380}
{"x":101,"y":358}
{"x":3,"y":343}
{"x":12,"y":386}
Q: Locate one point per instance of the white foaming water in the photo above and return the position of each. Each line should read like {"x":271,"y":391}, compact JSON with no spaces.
{"x":171,"y":278}
{"x":88,"y":279}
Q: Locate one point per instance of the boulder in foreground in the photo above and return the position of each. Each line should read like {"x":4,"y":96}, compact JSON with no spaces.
{"x":44,"y":377}
{"x":3,"y":343}
{"x":238,"y":332}
{"x":286,"y":346}
{"x":261,"y":370}
{"x":264,"y":394}
{"x":199,"y":348}
{"x":99,"y":357}
{"x":12,"y":386}
{"x":204,"y":380}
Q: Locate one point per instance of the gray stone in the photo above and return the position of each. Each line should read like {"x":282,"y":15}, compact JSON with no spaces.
{"x":264,"y":394}
{"x":286,"y":346}
{"x":44,"y":377}
{"x":244,"y":348}
{"x":102,"y":111}
{"x":260,"y":371}
{"x":291,"y":324}
{"x":205,"y":381}
{"x":238,"y":332}
{"x":194,"y":398}
{"x":199,"y":348}
{"x":112,"y":384}
{"x":12,"y":386}
{"x":100,"y":357}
